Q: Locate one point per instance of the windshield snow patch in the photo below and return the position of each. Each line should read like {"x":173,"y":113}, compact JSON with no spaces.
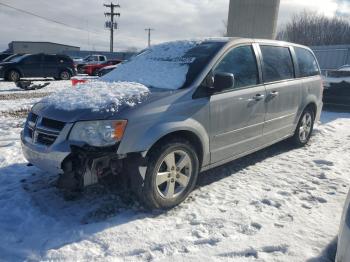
{"x":162,"y":66}
{"x":98,"y":96}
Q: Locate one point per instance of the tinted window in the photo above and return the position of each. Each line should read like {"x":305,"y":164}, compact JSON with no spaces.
{"x":278,"y":64}
{"x":242,"y":64}
{"x":50,"y":59}
{"x":33,"y":59}
{"x":306,"y":62}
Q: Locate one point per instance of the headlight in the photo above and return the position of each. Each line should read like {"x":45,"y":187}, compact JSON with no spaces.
{"x":99,"y":133}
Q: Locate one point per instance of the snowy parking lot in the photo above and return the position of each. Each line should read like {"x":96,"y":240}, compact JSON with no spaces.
{"x":279,"y":204}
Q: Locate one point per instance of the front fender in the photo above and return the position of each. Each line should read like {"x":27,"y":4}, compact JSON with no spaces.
{"x":143,"y":142}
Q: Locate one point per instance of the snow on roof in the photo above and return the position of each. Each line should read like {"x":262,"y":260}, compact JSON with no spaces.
{"x":98,"y":96}
{"x":161,"y":66}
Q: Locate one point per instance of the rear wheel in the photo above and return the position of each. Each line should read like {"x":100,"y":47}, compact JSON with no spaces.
{"x":305,"y":127}
{"x":13,"y":75}
{"x":171,"y":174}
{"x":65,"y":75}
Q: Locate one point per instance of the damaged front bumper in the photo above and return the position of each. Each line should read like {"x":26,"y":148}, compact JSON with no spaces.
{"x":81,"y":165}
{"x":49,"y":159}
{"x":45,"y":145}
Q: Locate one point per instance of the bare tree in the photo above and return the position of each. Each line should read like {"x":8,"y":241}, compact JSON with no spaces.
{"x":309,"y":28}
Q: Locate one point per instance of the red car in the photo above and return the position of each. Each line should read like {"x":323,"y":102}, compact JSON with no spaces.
{"x":93,"y":69}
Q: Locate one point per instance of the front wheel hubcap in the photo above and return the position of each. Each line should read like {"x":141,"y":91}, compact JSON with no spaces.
{"x":305,"y":127}
{"x":14,"y":76}
{"x":173,"y":174}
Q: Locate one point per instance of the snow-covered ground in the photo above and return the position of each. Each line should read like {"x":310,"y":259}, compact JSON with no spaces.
{"x":14,"y":99}
{"x":280,"y":204}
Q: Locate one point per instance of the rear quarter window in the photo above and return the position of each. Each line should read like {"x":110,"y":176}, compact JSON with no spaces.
{"x":306,"y":62}
{"x":50,"y":59}
{"x":277,"y":63}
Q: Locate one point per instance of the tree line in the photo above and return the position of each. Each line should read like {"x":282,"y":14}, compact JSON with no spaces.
{"x":312,"y":29}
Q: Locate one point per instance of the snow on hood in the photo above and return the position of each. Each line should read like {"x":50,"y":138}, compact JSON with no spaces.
{"x":162,"y":66}
{"x":98,"y":96}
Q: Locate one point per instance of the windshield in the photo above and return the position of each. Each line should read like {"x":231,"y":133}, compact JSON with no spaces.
{"x":171,"y":65}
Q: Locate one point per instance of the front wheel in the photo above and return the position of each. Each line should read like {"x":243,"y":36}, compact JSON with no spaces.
{"x":304,"y":129}
{"x":13,"y":76}
{"x":171,"y":174}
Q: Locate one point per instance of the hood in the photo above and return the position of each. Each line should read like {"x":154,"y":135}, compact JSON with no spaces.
{"x":96,"y":101}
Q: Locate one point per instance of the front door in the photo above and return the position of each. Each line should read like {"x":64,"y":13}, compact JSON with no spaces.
{"x":237,"y":115}
{"x":31,"y":66}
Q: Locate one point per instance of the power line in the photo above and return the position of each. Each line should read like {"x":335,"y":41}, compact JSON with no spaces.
{"x":111,"y":24}
{"x":149,"y":36}
{"x":45,"y":18}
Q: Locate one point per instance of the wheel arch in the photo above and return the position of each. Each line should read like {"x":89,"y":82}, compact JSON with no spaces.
{"x":309,"y":102}
{"x":65,"y":69}
{"x":13,"y":69}
{"x":142,"y":138}
{"x":312,"y":106}
{"x":190,"y":136}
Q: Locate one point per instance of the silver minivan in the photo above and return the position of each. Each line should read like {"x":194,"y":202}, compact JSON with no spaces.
{"x":173,"y":111}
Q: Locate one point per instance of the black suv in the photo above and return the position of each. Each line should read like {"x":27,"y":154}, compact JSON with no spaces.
{"x":60,"y":67}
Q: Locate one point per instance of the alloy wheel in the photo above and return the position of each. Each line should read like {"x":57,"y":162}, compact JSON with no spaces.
{"x":65,"y":75}
{"x":14,"y":76}
{"x":174,"y":174}
{"x":305,"y":127}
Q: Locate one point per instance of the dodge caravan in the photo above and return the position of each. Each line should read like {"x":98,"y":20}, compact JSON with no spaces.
{"x":173,"y":111}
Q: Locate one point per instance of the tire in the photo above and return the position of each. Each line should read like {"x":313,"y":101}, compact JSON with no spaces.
{"x":65,"y":75}
{"x":304,"y":128}
{"x":178,"y":182}
{"x":13,"y":75}
{"x":95,"y":73}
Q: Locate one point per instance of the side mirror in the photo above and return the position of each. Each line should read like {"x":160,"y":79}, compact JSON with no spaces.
{"x":223,"y":81}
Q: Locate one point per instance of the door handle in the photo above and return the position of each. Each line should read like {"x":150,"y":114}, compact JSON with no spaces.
{"x":258,"y":97}
{"x":274,"y":94}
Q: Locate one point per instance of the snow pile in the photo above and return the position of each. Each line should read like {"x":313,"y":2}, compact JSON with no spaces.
{"x":162,"y":66}
{"x":98,"y":95}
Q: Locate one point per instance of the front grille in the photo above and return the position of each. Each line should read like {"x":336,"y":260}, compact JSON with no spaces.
{"x":57,"y":125}
{"x":41,"y":130}
{"x":46,"y":139}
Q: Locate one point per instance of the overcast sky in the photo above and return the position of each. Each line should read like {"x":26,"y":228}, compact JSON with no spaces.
{"x":171,"y":19}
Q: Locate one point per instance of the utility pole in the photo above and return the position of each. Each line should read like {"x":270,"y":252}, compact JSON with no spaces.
{"x":149,"y":36}
{"x":111,"y":24}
